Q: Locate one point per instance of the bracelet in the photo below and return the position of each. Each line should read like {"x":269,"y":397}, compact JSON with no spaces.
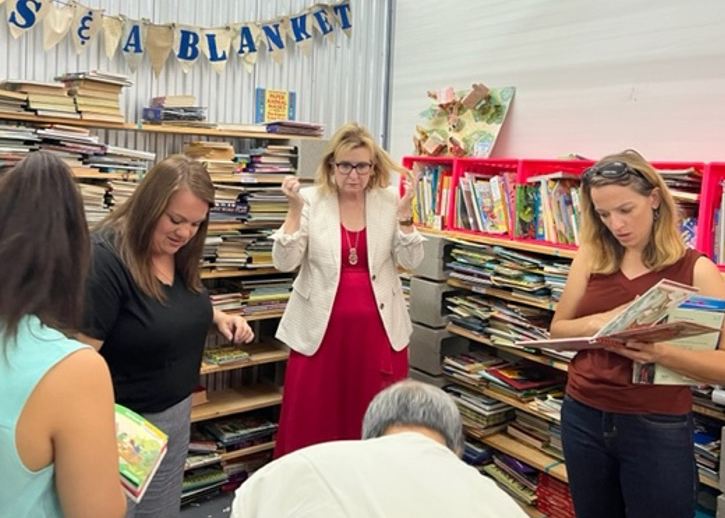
{"x":406,"y":222}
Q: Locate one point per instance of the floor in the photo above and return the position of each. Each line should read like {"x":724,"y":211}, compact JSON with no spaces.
{"x":218,"y":506}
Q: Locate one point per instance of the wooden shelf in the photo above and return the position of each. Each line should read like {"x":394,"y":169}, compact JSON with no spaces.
{"x":489,"y":240}
{"x":538,"y":358}
{"x":501,"y":294}
{"x":259,"y":354}
{"x":532,"y":456}
{"x":235,"y":401}
{"x":150,"y":128}
{"x":225,"y":274}
{"x":105,"y":176}
{"x":248,"y":451}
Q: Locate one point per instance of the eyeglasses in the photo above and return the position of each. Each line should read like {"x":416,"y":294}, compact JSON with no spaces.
{"x":346,"y":168}
{"x":612,"y":171}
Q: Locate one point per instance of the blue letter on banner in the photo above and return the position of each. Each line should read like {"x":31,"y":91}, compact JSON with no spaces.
{"x":246,"y":41}
{"x":299,"y":28}
{"x":213,"y":51}
{"x":134,"y":40}
{"x":322,"y":21}
{"x":188,"y":46}
{"x":274,"y":38}
{"x":343,"y":11}
{"x":27,"y":14}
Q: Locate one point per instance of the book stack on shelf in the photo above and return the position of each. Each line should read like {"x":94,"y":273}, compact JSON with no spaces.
{"x":431,"y":202}
{"x":553,"y":497}
{"x":267,"y":206}
{"x":217,"y":157}
{"x":117,"y":159}
{"x":13,"y":102}
{"x":271,"y":159}
{"x":43,"y":99}
{"x":176,"y":110}
{"x":96,"y":94}
{"x":481,"y":415}
{"x":230,"y":203}
{"x":15,"y":144}
{"x":289,"y":127}
{"x":72,"y":145}
{"x":707,"y":448}
{"x":684,"y":181}
{"x":266,"y":296}
{"x":515,"y":477}
{"x":230,"y":250}
{"x":223,"y":299}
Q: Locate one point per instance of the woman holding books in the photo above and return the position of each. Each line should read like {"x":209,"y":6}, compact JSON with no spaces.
{"x":346,"y":321}
{"x":148,"y":313}
{"x":628,"y":447}
{"x":57,"y":437}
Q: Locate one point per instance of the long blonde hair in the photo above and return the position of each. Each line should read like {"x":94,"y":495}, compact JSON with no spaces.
{"x":134,"y":222}
{"x":352,"y":136}
{"x":665,"y":245}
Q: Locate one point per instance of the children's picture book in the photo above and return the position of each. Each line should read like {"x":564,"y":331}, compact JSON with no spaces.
{"x":642,"y":320}
{"x":141,"y":448}
{"x":701,"y":310}
{"x":273,"y":105}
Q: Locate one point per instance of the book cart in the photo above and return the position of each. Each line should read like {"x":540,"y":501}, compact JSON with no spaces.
{"x":448,"y":287}
{"x":252,"y":384}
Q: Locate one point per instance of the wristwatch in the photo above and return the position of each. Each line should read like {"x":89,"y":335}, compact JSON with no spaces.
{"x":406,"y":222}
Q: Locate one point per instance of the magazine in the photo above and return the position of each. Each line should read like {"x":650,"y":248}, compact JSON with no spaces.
{"x":141,"y":447}
{"x":702,"y":310}
{"x":642,"y":320}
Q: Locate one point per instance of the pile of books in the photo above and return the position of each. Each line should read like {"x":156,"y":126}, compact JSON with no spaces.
{"x":96,"y":94}
{"x":515,"y":477}
{"x":230,"y":302}
{"x":267,"y":206}
{"x":225,"y":355}
{"x":553,"y":497}
{"x":537,"y":432}
{"x":13,"y":102}
{"x":480,"y":415}
{"x":271,"y":159}
{"x":265,"y":296}
{"x":176,"y":110}
{"x":72,"y":145}
{"x":15,"y":144}
{"x":241,"y":431}
{"x":295,"y":128}
{"x":44,"y":99}
{"x":117,"y":159}
{"x":217,"y":157}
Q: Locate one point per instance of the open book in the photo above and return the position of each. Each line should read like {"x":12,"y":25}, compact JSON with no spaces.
{"x":642,"y":320}
{"x":141,"y":447}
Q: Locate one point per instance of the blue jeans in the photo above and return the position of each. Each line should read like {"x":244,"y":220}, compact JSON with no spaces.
{"x":628,"y":465}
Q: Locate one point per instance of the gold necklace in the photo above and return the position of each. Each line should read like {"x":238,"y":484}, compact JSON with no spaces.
{"x":352,"y":255}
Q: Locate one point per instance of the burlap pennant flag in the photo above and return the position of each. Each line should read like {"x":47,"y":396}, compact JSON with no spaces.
{"x":300,"y":30}
{"x":112,"y":31}
{"x":322,"y":20}
{"x":159,"y":42}
{"x":187,"y":41}
{"x":246,"y":43}
{"x":85,"y":26}
{"x":342,"y":13}
{"x":133,"y":42}
{"x":56,"y":24}
{"x":24,"y":15}
{"x":215,"y":45}
{"x":275,"y":34}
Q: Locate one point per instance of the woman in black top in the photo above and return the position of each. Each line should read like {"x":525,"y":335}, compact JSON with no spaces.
{"x":148,"y":313}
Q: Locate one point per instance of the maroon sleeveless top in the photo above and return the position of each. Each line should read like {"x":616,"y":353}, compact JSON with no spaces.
{"x":602,"y":379}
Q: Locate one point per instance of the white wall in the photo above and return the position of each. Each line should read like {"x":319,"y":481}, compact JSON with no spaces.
{"x":592,"y":76}
{"x":340,"y":81}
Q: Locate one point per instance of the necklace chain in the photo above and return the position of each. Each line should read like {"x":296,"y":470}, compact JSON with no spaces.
{"x":352,"y":254}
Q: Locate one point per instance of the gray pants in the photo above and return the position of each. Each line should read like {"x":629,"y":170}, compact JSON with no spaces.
{"x":163,"y":496}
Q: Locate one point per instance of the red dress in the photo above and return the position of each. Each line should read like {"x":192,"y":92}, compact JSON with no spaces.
{"x":326,"y":394}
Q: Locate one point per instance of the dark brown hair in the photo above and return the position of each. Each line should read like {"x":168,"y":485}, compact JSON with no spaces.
{"x":134,"y":222}
{"x":44,"y":245}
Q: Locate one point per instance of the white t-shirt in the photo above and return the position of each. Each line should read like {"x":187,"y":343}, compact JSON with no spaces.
{"x":395,"y":476}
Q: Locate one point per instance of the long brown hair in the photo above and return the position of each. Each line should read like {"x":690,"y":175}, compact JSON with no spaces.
{"x":665,"y":245}
{"x":44,"y":245}
{"x":134,"y":222}
{"x":352,"y":136}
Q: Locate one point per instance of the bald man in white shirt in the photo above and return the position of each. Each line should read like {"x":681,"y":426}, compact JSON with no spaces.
{"x":407,"y":465}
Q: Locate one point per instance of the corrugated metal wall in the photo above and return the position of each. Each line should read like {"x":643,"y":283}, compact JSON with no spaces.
{"x":339,"y":81}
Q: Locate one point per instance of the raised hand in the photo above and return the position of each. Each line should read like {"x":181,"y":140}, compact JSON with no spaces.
{"x":410,"y":185}
{"x":291,"y":189}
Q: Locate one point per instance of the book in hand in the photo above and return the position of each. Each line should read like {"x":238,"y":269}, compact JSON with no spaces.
{"x":701,"y":310}
{"x":141,"y":448}
{"x":641,"y":321}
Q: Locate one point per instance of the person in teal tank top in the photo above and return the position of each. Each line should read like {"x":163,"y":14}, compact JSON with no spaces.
{"x":57,"y":435}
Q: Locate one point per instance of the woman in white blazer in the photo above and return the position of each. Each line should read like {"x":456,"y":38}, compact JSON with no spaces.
{"x":346,"y":321}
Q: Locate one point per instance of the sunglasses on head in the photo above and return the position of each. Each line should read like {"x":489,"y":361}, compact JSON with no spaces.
{"x":612,"y":171}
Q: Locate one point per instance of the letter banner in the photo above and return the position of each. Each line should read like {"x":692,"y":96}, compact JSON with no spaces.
{"x":133,"y":41}
{"x":26,"y":14}
{"x":275,"y":35}
{"x":159,"y":42}
{"x":56,"y":24}
{"x":215,"y":45}
{"x":187,"y":40}
{"x":112,"y":31}
{"x":85,"y":26}
{"x":246,"y":43}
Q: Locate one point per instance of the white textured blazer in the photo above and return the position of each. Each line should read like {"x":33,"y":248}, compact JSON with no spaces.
{"x":316,"y":249}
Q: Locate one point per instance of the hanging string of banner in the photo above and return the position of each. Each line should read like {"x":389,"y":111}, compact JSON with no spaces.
{"x":136,"y":39}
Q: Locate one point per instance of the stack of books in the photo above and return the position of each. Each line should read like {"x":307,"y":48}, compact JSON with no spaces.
{"x":272,"y":159}
{"x":72,"y":145}
{"x":241,"y":431}
{"x":217,"y":157}
{"x":267,"y":206}
{"x":548,"y":208}
{"x":230,"y":204}
{"x":685,"y":184}
{"x":537,"y":432}
{"x":15,"y":144}
{"x":225,"y":355}
{"x":295,"y":128}
{"x":485,"y":201}
{"x":230,"y":302}
{"x":13,"y":102}
{"x":553,"y":498}
{"x":176,"y":110}
{"x":45,"y":99}
{"x":265,"y":296}
{"x":121,"y":160}
{"x":515,"y":477}
{"x":481,"y":415}
{"x":121,"y":191}
{"x":96,"y":94}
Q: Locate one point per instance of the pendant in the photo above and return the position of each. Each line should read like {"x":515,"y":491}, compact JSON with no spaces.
{"x":352,"y":256}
